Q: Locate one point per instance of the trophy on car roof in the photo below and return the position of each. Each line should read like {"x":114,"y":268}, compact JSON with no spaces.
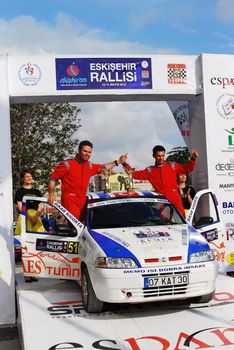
{"x":130,"y":180}
{"x":105,"y":176}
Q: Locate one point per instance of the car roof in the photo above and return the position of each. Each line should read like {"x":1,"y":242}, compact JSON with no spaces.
{"x":102,"y":196}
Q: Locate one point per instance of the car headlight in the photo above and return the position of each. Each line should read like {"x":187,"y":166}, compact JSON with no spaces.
{"x":116,"y":263}
{"x":204,"y":255}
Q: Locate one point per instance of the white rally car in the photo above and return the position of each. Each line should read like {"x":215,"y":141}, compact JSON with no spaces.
{"x":134,"y":248}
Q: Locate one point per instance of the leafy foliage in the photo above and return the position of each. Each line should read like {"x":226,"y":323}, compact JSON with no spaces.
{"x":42,"y":135}
{"x":180,"y":155}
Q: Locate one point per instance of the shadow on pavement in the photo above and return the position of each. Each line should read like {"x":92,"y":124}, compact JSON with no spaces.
{"x":9,"y":338}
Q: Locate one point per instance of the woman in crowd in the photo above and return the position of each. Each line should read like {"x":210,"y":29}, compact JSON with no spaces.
{"x":186,"y":192}
{"x":34,"y":222}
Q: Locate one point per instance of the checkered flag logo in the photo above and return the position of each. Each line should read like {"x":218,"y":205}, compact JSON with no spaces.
{"x":176,"y":73}
{"x":182,"y":118}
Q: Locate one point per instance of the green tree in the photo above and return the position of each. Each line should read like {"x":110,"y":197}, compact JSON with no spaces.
{"x":180,"y":155}
{"x":42,"y":135}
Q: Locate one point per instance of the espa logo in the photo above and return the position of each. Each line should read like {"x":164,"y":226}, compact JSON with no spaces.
{"x":222,"y":81}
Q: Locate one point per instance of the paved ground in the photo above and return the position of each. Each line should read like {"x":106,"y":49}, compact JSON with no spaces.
{"x":9,"y":334}
{"x":9,"y":338}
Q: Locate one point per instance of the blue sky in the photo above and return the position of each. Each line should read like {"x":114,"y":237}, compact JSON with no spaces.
{"x":159,"y":26}
{"x":186,"y":27}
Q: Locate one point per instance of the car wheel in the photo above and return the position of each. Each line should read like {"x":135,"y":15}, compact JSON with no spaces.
{"x":203,"y":298}
{"x":91,"y":303}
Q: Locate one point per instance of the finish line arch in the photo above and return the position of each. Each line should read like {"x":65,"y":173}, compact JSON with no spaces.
{"x":203,"y":82}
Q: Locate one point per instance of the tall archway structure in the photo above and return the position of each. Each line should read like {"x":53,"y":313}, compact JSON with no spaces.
{"x":204,"y":83}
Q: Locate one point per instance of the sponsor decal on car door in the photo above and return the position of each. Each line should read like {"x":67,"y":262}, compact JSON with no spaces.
{"x":51,"y":247}
{"x":204,"y":216}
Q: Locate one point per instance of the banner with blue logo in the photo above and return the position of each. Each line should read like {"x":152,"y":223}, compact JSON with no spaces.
{"x":103,"y":73}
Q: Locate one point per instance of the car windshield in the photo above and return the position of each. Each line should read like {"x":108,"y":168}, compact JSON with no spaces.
{"x":131,"y":214}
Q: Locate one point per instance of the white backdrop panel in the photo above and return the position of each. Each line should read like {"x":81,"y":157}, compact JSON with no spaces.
{"x":219,"y":121}
{"x":36,"y":75}
{"x":7,"y":276}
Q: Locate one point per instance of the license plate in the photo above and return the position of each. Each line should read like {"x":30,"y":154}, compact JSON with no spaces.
{"x":165,"y":281}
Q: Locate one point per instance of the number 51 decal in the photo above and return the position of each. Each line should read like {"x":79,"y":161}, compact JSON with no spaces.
{"x":73,"y":247}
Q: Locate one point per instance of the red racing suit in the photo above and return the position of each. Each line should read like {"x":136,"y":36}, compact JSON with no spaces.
{"x":75,"y":177}
{"x":163,"y":179}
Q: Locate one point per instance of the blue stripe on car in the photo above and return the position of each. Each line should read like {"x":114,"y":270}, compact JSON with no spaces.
{"x":148,"y":194}
{"x":23,"y":210}
{"x":112,"y":248}
{"x":215,"y":200}
{"x":196,"y":242}
{"x":103,"y":195}
{"x":16,"y":241}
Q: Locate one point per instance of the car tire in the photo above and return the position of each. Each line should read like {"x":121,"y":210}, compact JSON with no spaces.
{"x":203,"y":298}
{"x":91,"y":303}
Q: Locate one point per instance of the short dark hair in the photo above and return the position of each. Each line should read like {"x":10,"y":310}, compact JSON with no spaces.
{"x":85,"y":143}
{"x":22,"y":174}
{"x":158,"y":148}
{"x":25,"y":171}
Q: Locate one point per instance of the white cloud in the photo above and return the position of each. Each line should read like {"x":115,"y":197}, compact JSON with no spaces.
{"x":227,"y":40}
{"x":223,"y":36}
{"x":115,"y":127}
{"x":225,"y":10}
{"x":133,"y":127}
{"x":183,"y":28}
{"x":26,"y":35}
{"x":140,"y":20}
{"x":168,"y":13}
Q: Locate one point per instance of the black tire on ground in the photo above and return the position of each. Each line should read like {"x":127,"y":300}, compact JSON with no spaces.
{"x":91,"y":303}
{"x":203,"y":298}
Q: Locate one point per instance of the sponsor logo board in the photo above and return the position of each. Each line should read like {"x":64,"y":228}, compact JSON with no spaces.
{"x":48,"y":245}
{"x":230,"y":230}
{"x":103,"y":73}
{"x":176,"y":73}
{"x":225,"y":169}
{"x":227,"y":186}
{"x":223,"y":82}
{"x":29,"y":74}
{"x":228,"y":208}
{"x":225,"y":106}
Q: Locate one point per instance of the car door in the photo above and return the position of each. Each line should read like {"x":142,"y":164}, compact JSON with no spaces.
{"x":49,"y":245}
{"x":204,"y":216}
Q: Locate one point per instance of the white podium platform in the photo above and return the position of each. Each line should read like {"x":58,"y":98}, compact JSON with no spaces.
{"x":52,"y":317}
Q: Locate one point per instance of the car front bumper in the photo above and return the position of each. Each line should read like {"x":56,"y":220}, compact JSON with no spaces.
{"x":127,"y":286}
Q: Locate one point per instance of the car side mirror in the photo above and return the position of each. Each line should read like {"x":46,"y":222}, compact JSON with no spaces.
{"x":203,"y":221}
{"x":65,"y":230}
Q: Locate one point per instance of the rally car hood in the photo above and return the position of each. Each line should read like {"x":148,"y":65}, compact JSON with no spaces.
{"x":147,"y":243}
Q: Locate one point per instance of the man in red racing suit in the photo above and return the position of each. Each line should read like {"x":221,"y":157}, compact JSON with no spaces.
{"x":75,"y":175}
{"x":162,"y":175}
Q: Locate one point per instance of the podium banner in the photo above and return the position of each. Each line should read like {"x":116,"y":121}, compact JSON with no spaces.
{"x":7,"y":276}
{"x":219,"y":122}
{"x":180,"y":112}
